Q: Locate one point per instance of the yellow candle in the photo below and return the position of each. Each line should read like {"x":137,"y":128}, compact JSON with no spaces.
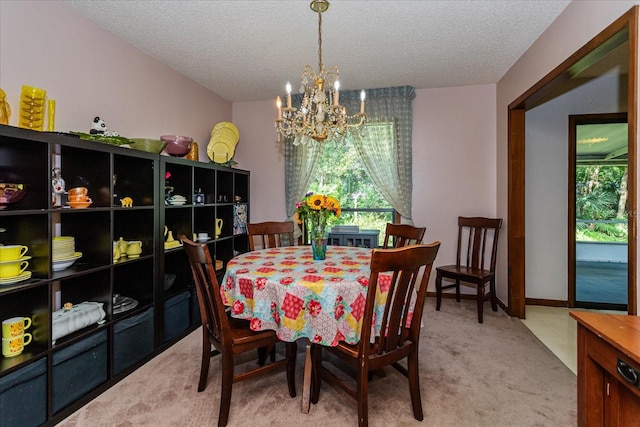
{"x":279,"y":107}
{"x":288,"y":87}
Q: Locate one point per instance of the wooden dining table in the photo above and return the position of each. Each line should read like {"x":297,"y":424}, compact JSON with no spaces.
{"x":286,"y":290}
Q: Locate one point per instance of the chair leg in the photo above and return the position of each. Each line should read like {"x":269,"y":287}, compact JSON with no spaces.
{"x":204,"y":363}
{"x":480,"y":298}
{"x":291,"y":354}
{"x":438,"y":291}
{"x":492,"y":291}
{"x":227,"y":382}
{"x":362,"y":394}
{"x":316,"y":375}
{"x":414,"y":384}
{"x":458,"y":290}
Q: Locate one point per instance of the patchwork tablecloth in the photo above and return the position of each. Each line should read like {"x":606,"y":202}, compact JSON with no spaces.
{"x":285,"y":290}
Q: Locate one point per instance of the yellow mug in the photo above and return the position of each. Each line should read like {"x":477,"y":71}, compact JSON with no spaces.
{"x":12,"y":252}
{"x":14,"y":346}
{"x":12,"y":269}
{"x":15,"y":326}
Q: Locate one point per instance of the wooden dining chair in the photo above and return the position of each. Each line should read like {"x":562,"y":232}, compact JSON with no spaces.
{"x":398,"y":235}
{"x":229,"y":337}
{"x":270,"y":234}
{"x":475,"y":262}
{"x":403,"y":268}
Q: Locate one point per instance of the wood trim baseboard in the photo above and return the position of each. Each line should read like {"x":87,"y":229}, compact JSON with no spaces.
{"x":546,"y":302}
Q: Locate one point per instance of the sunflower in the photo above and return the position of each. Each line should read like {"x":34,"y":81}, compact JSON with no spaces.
{"x":316,"y":202}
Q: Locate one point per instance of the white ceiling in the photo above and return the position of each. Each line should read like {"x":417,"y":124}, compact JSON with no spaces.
{"x":246,"y":50}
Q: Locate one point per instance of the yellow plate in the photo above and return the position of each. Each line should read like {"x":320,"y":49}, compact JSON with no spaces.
{"x":222,"y":146}
{"x":226,"y":127}
{"x":219,"y":152}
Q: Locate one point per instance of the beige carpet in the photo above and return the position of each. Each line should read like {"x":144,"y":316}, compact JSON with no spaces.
{"x":492,"y":374}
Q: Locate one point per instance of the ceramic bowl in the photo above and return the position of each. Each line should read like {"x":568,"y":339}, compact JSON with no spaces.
{"x":10,"y":194}
{"x":148,"y":145}
{"x":177,"y":146}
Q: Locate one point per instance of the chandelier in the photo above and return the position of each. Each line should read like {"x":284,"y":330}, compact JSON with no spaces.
{"x":320,"y":116}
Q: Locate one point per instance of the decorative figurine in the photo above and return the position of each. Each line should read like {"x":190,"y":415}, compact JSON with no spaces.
{"x":127,"y":202}
{"x":99,"y":127}
{"x":57,"y":183}
{"x":5,"y":109}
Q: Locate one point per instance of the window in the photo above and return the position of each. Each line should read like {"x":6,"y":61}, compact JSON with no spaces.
{"x":340,"y":173}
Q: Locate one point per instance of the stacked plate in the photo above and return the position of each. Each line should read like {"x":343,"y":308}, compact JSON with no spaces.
{"x":177,"y":200}
{"x":222,"y":146}
{"x":64,"y":252}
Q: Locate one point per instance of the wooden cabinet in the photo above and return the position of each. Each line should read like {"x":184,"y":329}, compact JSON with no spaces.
{"x":60,"y":370}
{"x":608,"y":369}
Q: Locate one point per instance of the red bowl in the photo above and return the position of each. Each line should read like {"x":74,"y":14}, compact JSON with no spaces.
{"x":177,"y":145}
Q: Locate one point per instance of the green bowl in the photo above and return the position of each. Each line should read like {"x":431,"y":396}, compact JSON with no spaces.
{"x":148,"y":145}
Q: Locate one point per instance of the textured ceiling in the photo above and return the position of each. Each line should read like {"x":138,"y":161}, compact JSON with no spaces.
{"x":247,"y":50}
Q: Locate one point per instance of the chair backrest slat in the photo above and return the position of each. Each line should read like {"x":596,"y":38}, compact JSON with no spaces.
{"x":270,"y":234}
{"x":481,"y":233}
{"x":407,"y":270}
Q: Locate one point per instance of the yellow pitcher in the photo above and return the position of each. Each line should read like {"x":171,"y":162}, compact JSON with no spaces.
{"x":218,"y":227}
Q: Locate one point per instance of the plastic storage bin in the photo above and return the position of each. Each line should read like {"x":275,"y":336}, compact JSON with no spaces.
{"x":132,"y":340}
{"x":176,"y":315}
{"x":195,"y":308}
{"x":23,"y":396}
{"x":78,"y":369}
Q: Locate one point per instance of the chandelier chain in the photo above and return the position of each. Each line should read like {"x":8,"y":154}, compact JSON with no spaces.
{"x":320,"y":64}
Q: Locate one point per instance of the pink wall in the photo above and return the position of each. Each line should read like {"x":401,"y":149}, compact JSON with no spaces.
{"x":90,"y":72}
{"x":578,"y":23}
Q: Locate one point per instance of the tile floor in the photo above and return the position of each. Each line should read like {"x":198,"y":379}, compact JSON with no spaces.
{"x":557,"y":330}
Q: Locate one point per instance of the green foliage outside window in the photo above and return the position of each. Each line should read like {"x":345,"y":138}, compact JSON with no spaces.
{"x":340,"y":173}
{"x":601,"y":211}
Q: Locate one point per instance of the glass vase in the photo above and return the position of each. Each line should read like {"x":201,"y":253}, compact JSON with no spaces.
{"x":319,"y":240}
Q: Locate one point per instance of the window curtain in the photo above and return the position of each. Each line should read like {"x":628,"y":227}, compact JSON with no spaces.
{"x":385,"y":148}
{"x":385,"y":145}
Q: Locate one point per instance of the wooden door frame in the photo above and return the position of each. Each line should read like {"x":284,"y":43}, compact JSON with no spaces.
{"x":624,"y":27}
{"x":575,"y":121}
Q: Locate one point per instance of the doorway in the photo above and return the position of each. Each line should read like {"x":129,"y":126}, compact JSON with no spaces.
{"x":621,"y":34}
{"x":598,"y":225}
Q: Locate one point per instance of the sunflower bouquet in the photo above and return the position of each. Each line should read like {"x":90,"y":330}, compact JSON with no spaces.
{"x":315,"y":209}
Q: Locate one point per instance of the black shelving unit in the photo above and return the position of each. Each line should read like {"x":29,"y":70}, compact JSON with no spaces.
{"x":56,"y":374}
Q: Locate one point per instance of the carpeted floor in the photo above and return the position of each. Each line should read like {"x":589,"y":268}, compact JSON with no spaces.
{"x":492,"y":374}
